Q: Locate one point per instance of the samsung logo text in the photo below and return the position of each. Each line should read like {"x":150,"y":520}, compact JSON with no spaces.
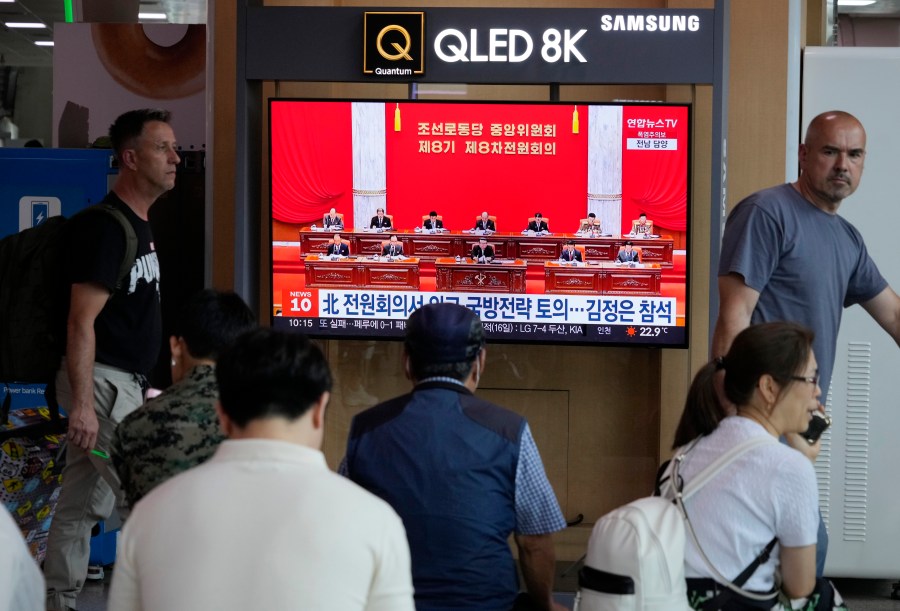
{"x":650,"y":23}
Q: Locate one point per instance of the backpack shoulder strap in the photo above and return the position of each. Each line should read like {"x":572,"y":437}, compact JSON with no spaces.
{"x":701,"y":479}
{"x":131,"y":239}
{"x":717,"y":466}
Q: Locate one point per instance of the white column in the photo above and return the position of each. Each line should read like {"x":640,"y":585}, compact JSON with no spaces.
{"x":604,"y":197}
{"x":369,"y":165}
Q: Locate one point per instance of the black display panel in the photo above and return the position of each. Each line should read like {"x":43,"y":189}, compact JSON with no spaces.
{"x":461,"y":160}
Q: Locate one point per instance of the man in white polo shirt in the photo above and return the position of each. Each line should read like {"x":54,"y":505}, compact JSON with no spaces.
{"x":264,"y":524}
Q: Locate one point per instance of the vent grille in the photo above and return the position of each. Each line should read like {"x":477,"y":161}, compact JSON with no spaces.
{"x":823,"y":465}
{"x":856,"y":446}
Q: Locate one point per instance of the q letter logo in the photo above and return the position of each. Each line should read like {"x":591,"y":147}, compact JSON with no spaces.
{"x":394,"y":44}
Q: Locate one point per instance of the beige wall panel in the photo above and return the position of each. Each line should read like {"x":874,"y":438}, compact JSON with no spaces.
{"x":365,"y":373}
{"x":679,"y":366}
{"x":815,"y":22}
{"x":547,"y":412}
{"x":223,"y":114}
{"x":757,"y":96}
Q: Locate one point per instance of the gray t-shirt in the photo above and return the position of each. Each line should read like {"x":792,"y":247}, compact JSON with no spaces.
{"x":806,"y":264}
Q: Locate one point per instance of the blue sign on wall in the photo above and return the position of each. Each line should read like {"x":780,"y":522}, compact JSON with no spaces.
{"x":36,"y":184}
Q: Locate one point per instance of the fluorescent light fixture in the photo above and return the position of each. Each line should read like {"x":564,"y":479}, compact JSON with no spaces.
{"x":856,"y":2}
{"x":151,"y":15}
{"x":44,"y":43}
{"x":25,"y":25}
{"x":10,"y":1}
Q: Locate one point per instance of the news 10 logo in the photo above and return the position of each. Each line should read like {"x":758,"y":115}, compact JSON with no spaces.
{"x":394,"y":43}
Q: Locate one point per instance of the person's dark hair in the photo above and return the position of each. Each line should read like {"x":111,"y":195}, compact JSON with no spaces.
{"x":538,"y":215}
{"x":443,"y":339}
{"x":129,"y":126}
{"x":629,"y":243}
{"x":779,"y":349}
{"x":642,"y":214}
{"x":268,"y":373}
{"x":432,"y":213}
{"x":591,"y":215}
{"x":570,"y":242}
{"x":212,"y":320}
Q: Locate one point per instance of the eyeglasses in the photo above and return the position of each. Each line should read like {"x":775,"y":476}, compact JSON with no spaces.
{"x":814,"y":380}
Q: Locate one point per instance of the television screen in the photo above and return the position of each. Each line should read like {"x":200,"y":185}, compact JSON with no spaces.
{"x":555,"y":222}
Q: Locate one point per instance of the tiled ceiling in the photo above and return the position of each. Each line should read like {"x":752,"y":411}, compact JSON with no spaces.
{"x":17,"y":46}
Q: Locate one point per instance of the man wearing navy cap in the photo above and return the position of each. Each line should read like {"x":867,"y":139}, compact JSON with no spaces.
{"x":461,"y":472}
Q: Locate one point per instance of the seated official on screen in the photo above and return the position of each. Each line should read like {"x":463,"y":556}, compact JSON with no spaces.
{"x":538,"y":223}
{"x":591,"y":223}
{"x":393,"y":248}
{"x":433,"y":221}
{"x":380,"y":220}
{"x":483,"y":252}
{"x":570,"y":253}
{"x":338,"y":247}
{"x":333,"y":220}
{"x":641,"y":226}
{"x":628,"y":254}
{"x":485,"y":223}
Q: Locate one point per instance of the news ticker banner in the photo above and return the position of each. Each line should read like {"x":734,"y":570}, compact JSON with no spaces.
{"x":586,"y":318}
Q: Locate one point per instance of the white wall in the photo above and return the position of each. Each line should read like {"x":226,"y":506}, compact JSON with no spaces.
{"x":860,"y":463}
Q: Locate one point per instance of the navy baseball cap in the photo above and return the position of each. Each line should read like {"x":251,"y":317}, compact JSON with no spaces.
{"x":444,"y":333}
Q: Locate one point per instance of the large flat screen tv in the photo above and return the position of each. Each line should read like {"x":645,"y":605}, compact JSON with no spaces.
{"x":610,"y":181}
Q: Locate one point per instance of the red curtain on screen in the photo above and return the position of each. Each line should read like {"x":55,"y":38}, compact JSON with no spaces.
{"x":312,"y":163}
{"x":655,"y":180}
{"x":541,"y":165}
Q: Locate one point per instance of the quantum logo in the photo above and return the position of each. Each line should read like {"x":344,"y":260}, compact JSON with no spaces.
{"x":394,"y":43}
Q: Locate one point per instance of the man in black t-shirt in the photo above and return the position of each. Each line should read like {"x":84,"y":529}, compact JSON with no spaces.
{"x":113,"y":335}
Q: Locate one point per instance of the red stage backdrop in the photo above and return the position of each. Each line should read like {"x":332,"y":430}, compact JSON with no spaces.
{"x":312,"y":163}
{"x":654,"y":165}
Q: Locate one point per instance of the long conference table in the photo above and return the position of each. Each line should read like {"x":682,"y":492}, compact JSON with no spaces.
{"x":602,"y":278}
{"x":529,"y":248}
{"x":467,"y":275}
{"x":359,"y":272}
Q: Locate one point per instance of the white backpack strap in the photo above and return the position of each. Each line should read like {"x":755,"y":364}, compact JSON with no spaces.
{"x":698,"y":482}
{"x":702,"y":478}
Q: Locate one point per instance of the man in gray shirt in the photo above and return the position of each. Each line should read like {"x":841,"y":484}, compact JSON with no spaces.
{"x":787,"y":255}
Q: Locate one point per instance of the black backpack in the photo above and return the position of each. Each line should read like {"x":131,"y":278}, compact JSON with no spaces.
{"x":31,"y":286}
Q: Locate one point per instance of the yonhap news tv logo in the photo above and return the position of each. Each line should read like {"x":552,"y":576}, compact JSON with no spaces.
{"x":394,"y":43}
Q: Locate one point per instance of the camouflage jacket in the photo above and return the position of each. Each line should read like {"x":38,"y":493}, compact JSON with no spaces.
{"x":169,"y":434}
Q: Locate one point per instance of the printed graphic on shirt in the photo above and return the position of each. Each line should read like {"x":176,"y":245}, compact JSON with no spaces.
{"x":146,"y":268}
